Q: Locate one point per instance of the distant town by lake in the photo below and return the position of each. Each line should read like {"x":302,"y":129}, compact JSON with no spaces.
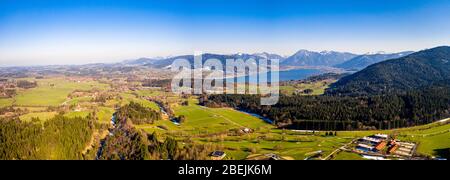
{"x":294,"y":74}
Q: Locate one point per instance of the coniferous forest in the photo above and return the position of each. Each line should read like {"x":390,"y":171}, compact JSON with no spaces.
{"x":138,"y":114}
{"x":346,"y":112}
{"x":129,"y":143}
{"x":57,"y":138}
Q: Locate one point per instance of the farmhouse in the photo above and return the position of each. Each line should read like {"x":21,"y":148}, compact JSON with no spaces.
{"x":370,"y":140}
{"x":393,"y":148}
{"x":218,"y":155}
{"x":380,"y":146}
{"x":364,"y":148}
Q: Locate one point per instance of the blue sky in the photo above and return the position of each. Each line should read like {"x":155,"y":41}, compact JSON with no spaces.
{"x":37,"y":32}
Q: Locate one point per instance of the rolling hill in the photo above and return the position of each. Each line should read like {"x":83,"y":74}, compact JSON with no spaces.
{"x":361,"y":62}
{"x":398,"y":75}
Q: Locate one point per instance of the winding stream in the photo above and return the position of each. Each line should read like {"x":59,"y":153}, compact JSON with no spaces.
{"x":110,"y":132}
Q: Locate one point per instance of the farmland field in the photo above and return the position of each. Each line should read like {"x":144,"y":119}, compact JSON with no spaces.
{"x":73,"y":114}
{"x":53,"y":92}
{"x":348,"y":156}
{"x":6,"y":102}
{"x":41,"y":115}
{"x":104,"y":114}
{"x":206,"y":120}
{"x":209,"y":125}
{"x":317,"y":88}
{"x":217,"y":126}
{"x":225,"y":80}
{"x":433,"y":139}
{"x":126,"y":98}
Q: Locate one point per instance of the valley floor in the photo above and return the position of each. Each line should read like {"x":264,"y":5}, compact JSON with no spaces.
{"x":238,"y":134}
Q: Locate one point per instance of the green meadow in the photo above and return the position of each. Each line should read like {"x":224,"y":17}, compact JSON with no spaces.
{"x":209,"y":125}
{"x":348,"y":156}
{"x":213,"y":125}
{"x":104,"y":114}
{"x":149,"y":93}
{"x":318,"y":88}
{"x":74,"y":114}
{"x":5,"y":102}
{"x":432,"y":139}
{"x":203,"y":120}
{"x":53,"y":92}
{"x":43,"y":116}
{"x":127,"y":97}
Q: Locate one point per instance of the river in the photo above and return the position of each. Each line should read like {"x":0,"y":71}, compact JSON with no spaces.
{"x":110,"y":132}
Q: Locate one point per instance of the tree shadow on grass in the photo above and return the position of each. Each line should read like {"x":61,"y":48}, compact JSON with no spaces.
{"x":443,"y":153}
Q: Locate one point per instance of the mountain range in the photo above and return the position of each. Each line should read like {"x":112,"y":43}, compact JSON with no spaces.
{"x":362,"y":61}
{"x":311,"y":58}
{"x":301,"y":58}
{"x":165,"y":63}
{"x":343,"y":60}
{"x":417,"y":70}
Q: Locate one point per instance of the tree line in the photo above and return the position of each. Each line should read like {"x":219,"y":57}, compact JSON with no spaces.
{"x":139,"y":114}
{"x":26,"y":84}
{"x":129,"y":143}
{"x":56,"y":138}
{"x":344,"y":112}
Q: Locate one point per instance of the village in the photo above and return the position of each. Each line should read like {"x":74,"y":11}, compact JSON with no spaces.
{"x":383,"y":147}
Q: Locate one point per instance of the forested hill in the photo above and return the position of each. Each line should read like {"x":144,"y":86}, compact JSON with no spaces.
{"x":362,"y":61}
{"x":416,"y":107}
{"x":419,"y":69}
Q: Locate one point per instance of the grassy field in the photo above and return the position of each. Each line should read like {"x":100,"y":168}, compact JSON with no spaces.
{"x":434,"y":145}
{"x":104,"y":114}
{"x":204,"y":125}
{"x":208,"y":125}
{"x":6,"y":102}
{"x":295,"y":146}
{"x":127,"y":97}
{"x":213,"y":125}
{"x":317,"y":87}
{"x":201,"y":120}
{"x":73,"y":114}
{"x":432,"y":139}
{"x":43,"y":116}
{"x":78,"y":100}
{"x":348,"y":156}
{"x":53,"y":92}
{"x":150,"y":93}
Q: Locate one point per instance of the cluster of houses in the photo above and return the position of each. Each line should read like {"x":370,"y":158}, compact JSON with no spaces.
{"x":7,"y":88}
{"x":383,"y":145}
{"x":372,"y":143}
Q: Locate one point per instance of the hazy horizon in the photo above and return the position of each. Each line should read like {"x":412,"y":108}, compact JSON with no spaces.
{"x":63,"y":32}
